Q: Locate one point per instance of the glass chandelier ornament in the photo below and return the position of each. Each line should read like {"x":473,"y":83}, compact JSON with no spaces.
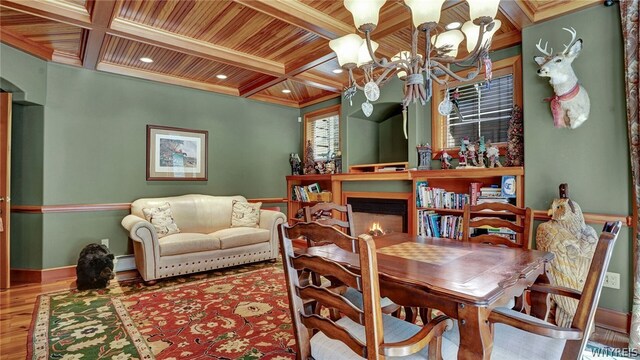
{"x":417,"y":70}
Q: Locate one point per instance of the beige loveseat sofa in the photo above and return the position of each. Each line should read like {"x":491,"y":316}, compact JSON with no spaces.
{"x":206,"y":239}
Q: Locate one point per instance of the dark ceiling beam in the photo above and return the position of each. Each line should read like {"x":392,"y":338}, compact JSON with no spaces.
{"x":101,"y":20}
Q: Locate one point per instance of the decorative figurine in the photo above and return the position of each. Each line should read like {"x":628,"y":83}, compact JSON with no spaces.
{"x":493,"y":154}
{"x":294,"y":160}
{"x":424,"y":157}
{"x":309,"y":163}
{"x":573,"y":244}
{"x":337,"y":159}
{"x":320,"y":167}
{"x":445,"y":160}
{"x":330,"y":167}
{"x":462,"y":155}
{"x":456,"y":105}
{"x":471,"y":154}
{"x":481,"y":149}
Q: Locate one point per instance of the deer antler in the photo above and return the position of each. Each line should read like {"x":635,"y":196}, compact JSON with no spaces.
{"x":544,"y":51}
{"x":573,"y":33}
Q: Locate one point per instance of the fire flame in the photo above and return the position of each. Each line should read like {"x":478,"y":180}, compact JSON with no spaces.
{"x":376,"y":229}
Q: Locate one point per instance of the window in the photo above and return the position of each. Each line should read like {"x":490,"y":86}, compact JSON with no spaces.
{"x":485,"y":109}
{"x":322,"y":127}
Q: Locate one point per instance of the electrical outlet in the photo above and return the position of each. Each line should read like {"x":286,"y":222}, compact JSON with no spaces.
{"x":612,"y":280}
{"x":105,"y":242}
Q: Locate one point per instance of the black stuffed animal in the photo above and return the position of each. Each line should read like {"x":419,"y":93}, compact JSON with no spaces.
{"x":95,"y":267}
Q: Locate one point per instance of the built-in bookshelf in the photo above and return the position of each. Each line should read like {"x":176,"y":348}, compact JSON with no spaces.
{"x":303,"y":190}
{"x":440,"y":196}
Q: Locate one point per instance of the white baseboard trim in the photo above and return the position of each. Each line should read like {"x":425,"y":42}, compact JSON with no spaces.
{"x":124,"y":263}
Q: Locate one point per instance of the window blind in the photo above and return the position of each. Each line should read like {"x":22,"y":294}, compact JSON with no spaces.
{"x":486,"y":111}
{"x":324,"y":133}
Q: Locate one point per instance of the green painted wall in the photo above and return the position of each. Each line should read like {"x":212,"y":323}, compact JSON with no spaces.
{"x":27,"y":155}
{"x":27,"y":180}
{"x":27,"y":73}
{"x":88,"y":146}
{"x":362,"y":143}
{"x":594,"y":158}
{"x":392,"y":146}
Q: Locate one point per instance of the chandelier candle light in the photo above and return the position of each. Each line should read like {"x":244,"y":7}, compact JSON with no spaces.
{"x":416,"y":70}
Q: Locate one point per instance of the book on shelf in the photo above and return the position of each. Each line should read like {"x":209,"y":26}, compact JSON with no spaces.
{"x":474,"y":192}
{"x":301,"y":192}
{"x":492,"y":199}
{"x":490,"y":191}
{"x":432,"y":224}
{"x":428,"y":197}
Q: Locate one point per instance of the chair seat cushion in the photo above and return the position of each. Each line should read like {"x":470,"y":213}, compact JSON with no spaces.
{"x":241,"y":236}
{"x":355,"y":297}
{"x":186,"y":243}
{"x":323,"y":347}
{"x":510,"y":343}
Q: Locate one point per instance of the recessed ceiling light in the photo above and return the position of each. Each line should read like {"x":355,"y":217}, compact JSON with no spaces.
{"x":454,"y":25}
{"x":337,"y":71}
{"x":221,"y":76}
{"x":286,"y":91}
{"x":146,"y":60}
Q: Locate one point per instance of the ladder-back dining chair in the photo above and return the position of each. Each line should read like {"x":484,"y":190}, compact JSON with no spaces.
{"x":520,"y":336}
{"x":331,"y":214}
{"x":316,"y":234}
{"x":360,"y":333}
{"x":522,"y":224}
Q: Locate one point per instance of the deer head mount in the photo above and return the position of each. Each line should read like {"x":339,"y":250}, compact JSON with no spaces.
{"x":570,"y":105}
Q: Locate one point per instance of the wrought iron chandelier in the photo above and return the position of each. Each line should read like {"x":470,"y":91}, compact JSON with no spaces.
{"x":417,"y":70}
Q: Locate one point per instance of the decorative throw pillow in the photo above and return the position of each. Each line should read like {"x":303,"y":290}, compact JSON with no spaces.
{"x":162,"y":219}
{"x":245,"y":214}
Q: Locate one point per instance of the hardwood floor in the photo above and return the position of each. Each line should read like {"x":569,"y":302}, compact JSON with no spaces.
{"x":17,"y":303}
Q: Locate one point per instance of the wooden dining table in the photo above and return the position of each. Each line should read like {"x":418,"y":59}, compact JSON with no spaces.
{"x":463,"y":280}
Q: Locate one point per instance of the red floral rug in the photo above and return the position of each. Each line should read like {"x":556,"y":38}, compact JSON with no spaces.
{"x":233,"y":314}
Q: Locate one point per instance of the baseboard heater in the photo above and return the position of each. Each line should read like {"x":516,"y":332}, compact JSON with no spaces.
{"x":124,"y":263}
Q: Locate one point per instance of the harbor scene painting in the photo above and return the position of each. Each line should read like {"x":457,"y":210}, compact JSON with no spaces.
{"x":176,"y":154}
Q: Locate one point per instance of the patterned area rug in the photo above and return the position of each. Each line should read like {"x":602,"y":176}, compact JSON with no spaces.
{"x":233,"y":314}
{"x":237,"y":313}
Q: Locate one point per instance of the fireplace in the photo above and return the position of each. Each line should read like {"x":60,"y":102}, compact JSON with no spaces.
{"x":377,"y":216}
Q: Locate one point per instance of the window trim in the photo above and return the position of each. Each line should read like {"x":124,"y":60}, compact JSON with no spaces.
{"x":512,"y":65}
{"x":310,"y":116}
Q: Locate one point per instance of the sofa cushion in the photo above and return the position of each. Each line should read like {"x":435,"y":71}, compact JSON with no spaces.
{"x":161,"y":218}
{"x":245,"y":214}
{"x":241,"y":236}
{"x":186,"y":243}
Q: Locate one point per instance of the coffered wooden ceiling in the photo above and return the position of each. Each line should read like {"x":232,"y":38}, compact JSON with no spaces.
{"x":262,"y":46}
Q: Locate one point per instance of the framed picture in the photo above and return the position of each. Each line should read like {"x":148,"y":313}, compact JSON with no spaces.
{"x":176,"y":154}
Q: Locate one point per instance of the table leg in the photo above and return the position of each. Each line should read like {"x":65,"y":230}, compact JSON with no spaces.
{"x":476,"y":340}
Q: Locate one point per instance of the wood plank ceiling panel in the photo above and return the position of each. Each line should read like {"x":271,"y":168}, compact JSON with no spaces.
{"x":60,"y":37}
{"x":299,"y":92}
{"x":326,"y":70}
{"x":127,"y":53}
{"x":224,"y":23}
